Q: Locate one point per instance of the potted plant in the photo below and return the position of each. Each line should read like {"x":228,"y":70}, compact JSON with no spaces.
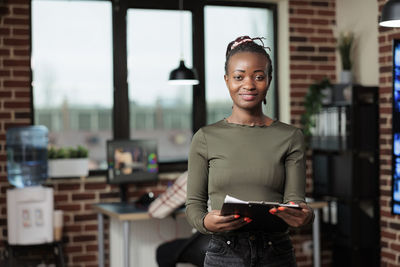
{"x":313,"y":101}
{"x":68,"y":162}
{"x":345,"y":44}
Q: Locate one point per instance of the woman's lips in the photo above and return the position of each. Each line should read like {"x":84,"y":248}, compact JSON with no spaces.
{"x":248,"y":97}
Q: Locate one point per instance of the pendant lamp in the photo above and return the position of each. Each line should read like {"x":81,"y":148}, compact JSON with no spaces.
{"x":391,"y":14}
{"x":182,"y":75}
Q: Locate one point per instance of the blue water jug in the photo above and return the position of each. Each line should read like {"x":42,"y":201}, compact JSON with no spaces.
{"x":27,"y":155}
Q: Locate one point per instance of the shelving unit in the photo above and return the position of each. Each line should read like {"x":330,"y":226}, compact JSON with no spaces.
{"x":346,"y":172}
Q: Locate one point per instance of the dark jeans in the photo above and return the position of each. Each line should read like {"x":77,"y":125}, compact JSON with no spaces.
{"x":248,"y":249}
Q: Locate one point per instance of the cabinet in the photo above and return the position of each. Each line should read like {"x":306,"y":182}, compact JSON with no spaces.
{"x":346,"y":172}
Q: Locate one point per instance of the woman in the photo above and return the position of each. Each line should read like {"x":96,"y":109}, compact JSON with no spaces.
{"x":251,"y":157}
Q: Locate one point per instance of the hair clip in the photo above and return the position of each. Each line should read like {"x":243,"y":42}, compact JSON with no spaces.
{"x":235,"y":44}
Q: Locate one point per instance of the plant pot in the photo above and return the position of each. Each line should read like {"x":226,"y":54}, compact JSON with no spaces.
{"x":346,"y":76}
{"x":58,"y":168}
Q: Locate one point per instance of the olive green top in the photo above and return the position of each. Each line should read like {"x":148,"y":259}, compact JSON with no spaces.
{"x":251,"y":163}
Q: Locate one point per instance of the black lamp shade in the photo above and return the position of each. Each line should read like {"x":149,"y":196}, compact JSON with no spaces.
{"x":391,"y":14}
{"x":183,"y":76}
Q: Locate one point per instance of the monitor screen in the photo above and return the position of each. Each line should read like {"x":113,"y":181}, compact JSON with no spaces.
{"x":396,"y":128}
{"x":132,"y":161}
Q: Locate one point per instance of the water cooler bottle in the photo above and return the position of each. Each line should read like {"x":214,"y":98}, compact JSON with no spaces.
{"x":29,"y":205}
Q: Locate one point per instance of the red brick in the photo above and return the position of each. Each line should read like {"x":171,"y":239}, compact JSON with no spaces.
{"x":95,"y":186}
{"x":5,"y":73}
{"x":84,"y":258}
{"x":17,"y":83}
{"x":22,"y":52}
{"x":16,"y":42}
{"x":301,"y":21}
{"x":85,"y":217}
{"x":4,"y":52}
{"x":16,"y":63}
{"x":72,"y":228}
{"x":84,"y":238}
{"x":21,"y":31}
{"x":91,"y":248}
{"x":5,"y":94}
{"x":21,"y":73}
{"x":69,"y":187}
{"x":69,"y":207}
{"x":16,"y":21}
{"x":326,"y":13}
{"x":60,"y":198}
{"x":83,"y":196}
{"x":71,"y":249}
{"x":4,"y":115}
{"x":305,"y":11}
{"x":17,"y":104}
{"x":319,"y":21}
{"x":305,"y":30}
{"x":22,"y":94}
{"x":20,"y":11}
{"x":388,"y":255}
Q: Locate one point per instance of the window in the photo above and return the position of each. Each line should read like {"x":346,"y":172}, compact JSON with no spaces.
{"x":75,"y":77}
{"x":254,"y":22}
{"x":159,"y":110}
{"x":72,"y":73}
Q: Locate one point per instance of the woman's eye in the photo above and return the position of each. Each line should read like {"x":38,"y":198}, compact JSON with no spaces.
{"x":260,"y":78}
{"x":238,"y":78}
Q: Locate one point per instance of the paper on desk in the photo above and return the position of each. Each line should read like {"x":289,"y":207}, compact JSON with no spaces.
{"x":230,"y":199}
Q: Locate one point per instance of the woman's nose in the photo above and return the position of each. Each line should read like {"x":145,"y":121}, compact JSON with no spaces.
{"x":248,"y":84}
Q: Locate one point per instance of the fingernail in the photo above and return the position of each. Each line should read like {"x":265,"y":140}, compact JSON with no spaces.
{"x":281,"y":208}
{"x":247,"y":219}
{"x":291,"y":202}
{"x":272,"y":211}
{"x":236,"y":216}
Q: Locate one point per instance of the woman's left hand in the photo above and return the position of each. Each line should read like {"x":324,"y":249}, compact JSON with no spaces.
{"x":294,"y":217}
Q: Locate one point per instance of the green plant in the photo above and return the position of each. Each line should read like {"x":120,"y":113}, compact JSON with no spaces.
{"x":67,"y":152}
{"x":345,"y":43}
{"x":313,"y":104}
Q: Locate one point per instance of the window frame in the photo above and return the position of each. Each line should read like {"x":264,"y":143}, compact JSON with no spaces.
{"x":120,"y":109}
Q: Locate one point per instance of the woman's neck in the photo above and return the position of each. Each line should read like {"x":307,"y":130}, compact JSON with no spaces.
{"x":247,"y":118}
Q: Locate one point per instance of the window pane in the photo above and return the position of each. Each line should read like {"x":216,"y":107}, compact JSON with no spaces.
{"x":254,"y":22}
{"x":159,"y":110}
{"x":72,"y":73}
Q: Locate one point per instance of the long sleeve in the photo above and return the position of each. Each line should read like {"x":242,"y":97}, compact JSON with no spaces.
{"x":295,"y":169}
{"x":197,"y":184}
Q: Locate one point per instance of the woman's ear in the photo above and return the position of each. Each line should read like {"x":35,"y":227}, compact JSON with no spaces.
{"x":226,"y":79}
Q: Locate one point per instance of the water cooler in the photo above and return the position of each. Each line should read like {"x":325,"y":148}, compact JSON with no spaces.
{"x":29,"y":204}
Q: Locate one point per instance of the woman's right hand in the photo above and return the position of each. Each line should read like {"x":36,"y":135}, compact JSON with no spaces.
{"x":215,"y":222}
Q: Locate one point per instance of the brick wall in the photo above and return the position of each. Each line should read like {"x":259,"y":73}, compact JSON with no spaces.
{"x":312,"y":57}
{"x":15,"y":95}
{"x":390,"y":225}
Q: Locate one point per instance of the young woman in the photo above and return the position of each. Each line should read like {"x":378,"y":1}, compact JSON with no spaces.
{"x":251,"y":157}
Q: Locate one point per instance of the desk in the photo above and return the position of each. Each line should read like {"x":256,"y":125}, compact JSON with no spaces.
{"x":125,"y":214}
{"x":317,"y":206}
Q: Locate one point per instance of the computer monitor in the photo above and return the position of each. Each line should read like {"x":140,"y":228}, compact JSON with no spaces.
{"x":396,"y":129}
{"x":131,"y":161}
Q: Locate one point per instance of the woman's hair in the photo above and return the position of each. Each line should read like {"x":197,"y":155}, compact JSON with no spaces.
{"x":247,"y":44}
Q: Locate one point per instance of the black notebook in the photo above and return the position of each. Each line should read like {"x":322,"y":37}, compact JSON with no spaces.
{"x":258,"y":211}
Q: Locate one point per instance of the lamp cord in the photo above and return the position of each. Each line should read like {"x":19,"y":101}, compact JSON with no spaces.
{"x":181,"y":27}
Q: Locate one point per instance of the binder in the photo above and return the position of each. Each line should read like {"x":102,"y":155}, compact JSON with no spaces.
{"x":258,"y":211}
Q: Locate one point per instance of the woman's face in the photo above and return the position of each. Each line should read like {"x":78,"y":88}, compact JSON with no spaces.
{"x":247,"y":79}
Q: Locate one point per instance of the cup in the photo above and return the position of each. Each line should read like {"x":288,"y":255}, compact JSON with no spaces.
{"x":57,"y":224}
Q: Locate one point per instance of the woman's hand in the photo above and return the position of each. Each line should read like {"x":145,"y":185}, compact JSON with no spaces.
{"x":294,"y":217}
{"x":215,"y":222}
